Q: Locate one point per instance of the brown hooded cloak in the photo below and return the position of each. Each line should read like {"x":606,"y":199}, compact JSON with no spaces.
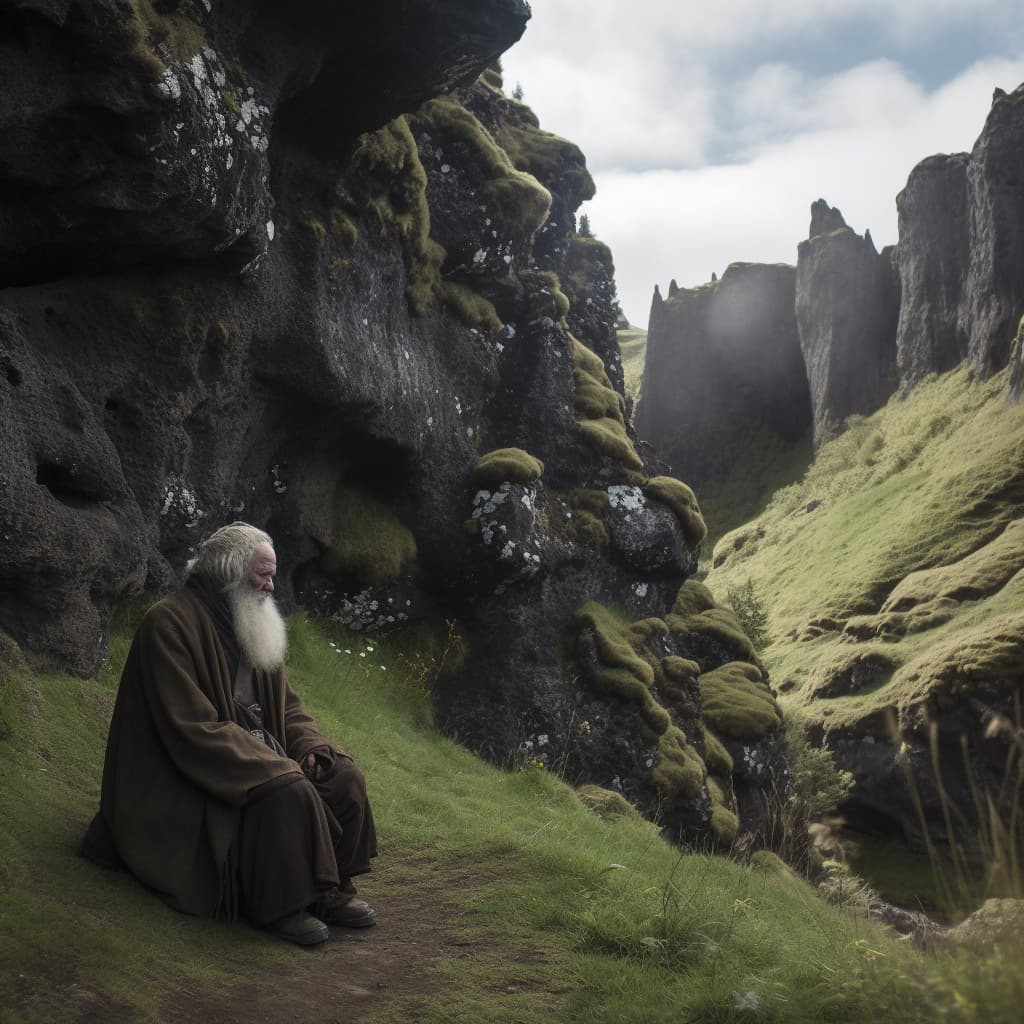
{"x":179,"y":769}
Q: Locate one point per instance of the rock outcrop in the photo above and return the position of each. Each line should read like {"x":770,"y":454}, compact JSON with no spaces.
{"x":961,"y":247}
{"x":313,"y":269}
{"x":846,"y":310}
{"x":724,"y":388}
{"x":932,"y":255}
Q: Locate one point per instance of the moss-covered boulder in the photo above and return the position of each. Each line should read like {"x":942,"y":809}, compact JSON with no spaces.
{"x":711,"y":630}
{"x":511,"y":464}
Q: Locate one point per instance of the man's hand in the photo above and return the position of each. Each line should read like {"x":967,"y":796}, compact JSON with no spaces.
{"x":310,"y":768}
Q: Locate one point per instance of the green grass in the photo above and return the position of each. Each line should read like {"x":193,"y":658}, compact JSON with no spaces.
{"x":633,"y":347}
{"x":570,"y":918}
{"x":929,"y":481}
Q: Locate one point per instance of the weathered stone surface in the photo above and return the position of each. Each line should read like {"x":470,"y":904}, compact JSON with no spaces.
{"x":933,"y":252}
{"x":960,"y":252}
{"x":846,"y":312}
{"x":994,"y":288}
{"x":723,"y":371}
{"x":236,"y":281}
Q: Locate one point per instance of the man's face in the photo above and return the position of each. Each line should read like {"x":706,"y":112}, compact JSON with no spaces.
{"x":263,"y":569}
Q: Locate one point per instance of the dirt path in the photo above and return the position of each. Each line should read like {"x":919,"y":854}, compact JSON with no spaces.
{"x":357,"y":972}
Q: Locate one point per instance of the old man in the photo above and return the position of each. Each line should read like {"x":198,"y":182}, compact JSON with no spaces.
{"x":219,"y":792}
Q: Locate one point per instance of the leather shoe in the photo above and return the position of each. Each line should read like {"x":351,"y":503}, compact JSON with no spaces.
{"x":349,"y":912}
{"x":301,"y":928}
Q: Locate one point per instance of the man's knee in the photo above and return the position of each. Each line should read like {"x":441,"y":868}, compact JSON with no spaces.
{"x":345,"y":785}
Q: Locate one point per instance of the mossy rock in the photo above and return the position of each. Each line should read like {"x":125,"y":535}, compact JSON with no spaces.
{"x":373,"y":545}
{"x":692,"y":598}
{"x":606,"y":803}
{"x":600,"y":409}
{"x":586,"y":523}
{"x":621,"y":672}
{"x":511,"y":464}
{"x":724,"y":825}
{"x":986,"y":659}
{"x":680,"y":498}
{"x":716,"y":757}
{"x":724,"y":821}
{"x":737,"y":702}
{"x":678,"y":772}
{"x":518,"y":199}
{"x":543,"y":284}
{"x":696,"y":611}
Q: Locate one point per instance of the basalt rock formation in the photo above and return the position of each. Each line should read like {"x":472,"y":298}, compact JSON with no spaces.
{"x":867,"y":323}
{"x":846,"y":311}
{"x":961,"y":251}
{"x":310,"y":268}
{"x":724,"y":382}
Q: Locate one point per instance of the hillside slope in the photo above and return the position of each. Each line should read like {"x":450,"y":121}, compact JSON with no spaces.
{"x":893,"y":580}
{"x":502,"y":898}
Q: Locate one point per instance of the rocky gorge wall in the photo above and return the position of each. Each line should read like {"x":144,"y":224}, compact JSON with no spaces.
{"x":867,"y":323}
{"x":308,"y":266}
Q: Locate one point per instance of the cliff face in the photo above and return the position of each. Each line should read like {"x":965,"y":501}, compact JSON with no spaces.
{"x":310,"y":268}
{"x":961,"y":249}
{"x":724,"y":380}
{"x":867,"y":322}
{"x":846,"y":310}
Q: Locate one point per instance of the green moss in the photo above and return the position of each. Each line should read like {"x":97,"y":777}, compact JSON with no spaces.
{"x":586,"y":522}
{"x":316,"y":228}
{"x":600,"y":408}
{"x":512,"y":464}
{"x":606,"y":803}
{"x":695,"y":611}
{"x":388,"y":160}
{"x":977,"y":575}
{"x":231,"y":103}
{"x":683,"y":502}
{"x":518,"y":200}
{"x":724,"y":822}
{"x":141,"y":32}
{"x":737,"y":702}
{"x":622,"y":672}
{"x":541,"y":284}
{"x":633,"y":348}
{"x":553,"y":160}
{"x":678,"y":770}
{"x":372,"y":543}
{"x":343,"y":228}
{"x":716,"y":757}
{"x":470,"y":307}
{"x":986,"y":659}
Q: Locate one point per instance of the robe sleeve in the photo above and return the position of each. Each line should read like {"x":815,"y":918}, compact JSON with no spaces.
{"x":301,"y":732}
{"x":218,"y":756}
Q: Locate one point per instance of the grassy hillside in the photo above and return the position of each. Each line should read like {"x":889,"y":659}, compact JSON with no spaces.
{"x":551,"y":913}
{"x":905,"y":540}
{"x":633,"y":346}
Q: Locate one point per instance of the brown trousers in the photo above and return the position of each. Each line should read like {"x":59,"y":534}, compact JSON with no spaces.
{"x":299,"y":840}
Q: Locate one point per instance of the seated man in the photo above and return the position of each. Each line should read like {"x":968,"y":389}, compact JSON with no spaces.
{"x":218,"y":790}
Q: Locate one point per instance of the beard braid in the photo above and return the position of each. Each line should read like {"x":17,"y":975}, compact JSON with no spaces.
{"x":259,"y":628}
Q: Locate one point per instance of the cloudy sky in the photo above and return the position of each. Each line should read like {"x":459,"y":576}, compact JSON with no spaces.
{"x":710,"y":129}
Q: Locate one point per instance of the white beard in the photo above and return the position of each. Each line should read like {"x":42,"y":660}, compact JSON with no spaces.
{"x":259,"y":628}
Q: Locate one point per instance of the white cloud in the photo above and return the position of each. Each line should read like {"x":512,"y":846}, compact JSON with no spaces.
{"x":862,"y":133}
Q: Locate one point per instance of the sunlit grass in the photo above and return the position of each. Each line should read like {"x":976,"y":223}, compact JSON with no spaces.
{"x":569,"y":918}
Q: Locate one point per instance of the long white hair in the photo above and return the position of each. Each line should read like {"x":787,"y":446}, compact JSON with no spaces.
{"x":225,"y":555}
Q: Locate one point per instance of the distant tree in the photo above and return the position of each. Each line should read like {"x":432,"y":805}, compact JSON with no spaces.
{"x":585,"y":231}
{"x":517,"y":92}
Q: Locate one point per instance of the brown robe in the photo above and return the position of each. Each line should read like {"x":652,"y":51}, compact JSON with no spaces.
{"x":178,"y":768}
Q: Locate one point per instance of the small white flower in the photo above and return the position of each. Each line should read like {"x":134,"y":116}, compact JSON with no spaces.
{"x":347,"y":651}
{"x":362,"y":654}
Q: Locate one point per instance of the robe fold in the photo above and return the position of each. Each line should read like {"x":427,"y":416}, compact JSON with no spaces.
{"x":179,"y":769}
